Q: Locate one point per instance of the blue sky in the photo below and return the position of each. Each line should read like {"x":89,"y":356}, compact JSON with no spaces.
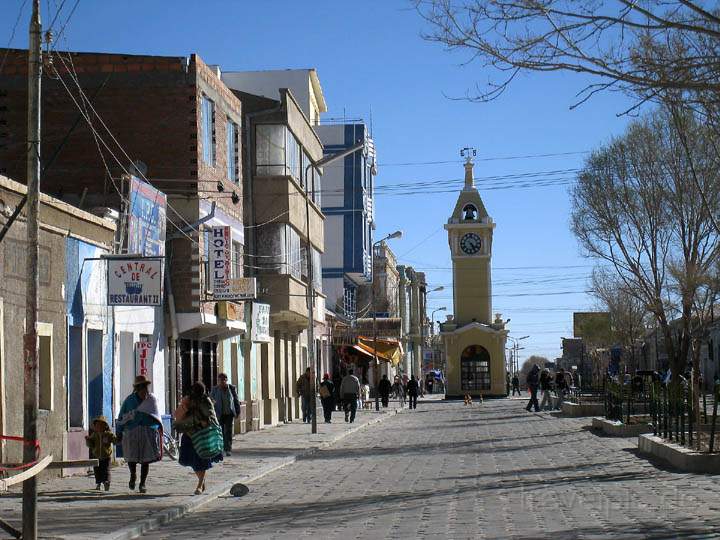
{"x":370,"y":57}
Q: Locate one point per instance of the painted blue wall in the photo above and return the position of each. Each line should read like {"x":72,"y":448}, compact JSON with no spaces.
{"x":86,"y":286}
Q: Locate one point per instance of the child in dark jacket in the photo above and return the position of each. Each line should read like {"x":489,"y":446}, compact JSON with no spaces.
{"x":100,"y":443}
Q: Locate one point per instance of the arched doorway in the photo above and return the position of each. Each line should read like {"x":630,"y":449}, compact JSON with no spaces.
{"x":475,"y":369}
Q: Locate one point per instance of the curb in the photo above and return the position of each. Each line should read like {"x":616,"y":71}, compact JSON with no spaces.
{"x":177,"y":511}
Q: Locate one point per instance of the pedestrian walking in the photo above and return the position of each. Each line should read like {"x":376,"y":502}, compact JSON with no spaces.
{"x":413,"y":388}
{"x":532,"y":381}
{"x":227,"y":409}
{"x":100,"y":441}
{"x":201,"y":442}
{"x":350,"y":390}
{"x":398,"y":390}
{"x":140,"y":438}
{"x":384,"y":389}
{"x":306,"y":390}
{"x":516,"y":385}
{"x":545,"y":388}
{"x":561,"y":388}
{"x":327,"y":397}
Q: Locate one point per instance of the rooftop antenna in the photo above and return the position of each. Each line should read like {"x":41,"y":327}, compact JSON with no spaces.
{"x":371,"y":125}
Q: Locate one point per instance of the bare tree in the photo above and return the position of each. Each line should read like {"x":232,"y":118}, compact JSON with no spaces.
{"x":628,"y":315}
{"x":634,"y":208}
{"x":529,"y":363}
{"x":645,"y":47}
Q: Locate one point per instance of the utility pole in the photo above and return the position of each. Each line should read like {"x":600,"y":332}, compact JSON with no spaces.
{"x":310,"y":287}
{"x":30,"y":345}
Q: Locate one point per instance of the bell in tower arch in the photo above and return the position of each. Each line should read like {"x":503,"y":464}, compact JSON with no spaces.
{"x":469,"y":212}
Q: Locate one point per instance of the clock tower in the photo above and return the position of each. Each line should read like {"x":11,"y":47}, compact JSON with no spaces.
{"x":470,"y":235}
{"x":474,"y":341}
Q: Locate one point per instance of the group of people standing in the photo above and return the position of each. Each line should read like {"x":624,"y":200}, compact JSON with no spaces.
{"x":554,"y":388}
{"x":205,"y":422}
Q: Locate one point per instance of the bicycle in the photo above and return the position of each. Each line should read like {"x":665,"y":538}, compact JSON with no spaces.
{"x":171,"y":446}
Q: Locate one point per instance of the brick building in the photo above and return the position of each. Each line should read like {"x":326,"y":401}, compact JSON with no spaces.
{"x":172,"y":121}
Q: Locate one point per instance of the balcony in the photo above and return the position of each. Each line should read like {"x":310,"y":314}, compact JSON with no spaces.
{"x":287,"y":298}
{"x":280,"y":200}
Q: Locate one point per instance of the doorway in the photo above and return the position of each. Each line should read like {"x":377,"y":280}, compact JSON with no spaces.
{"x":475,"y":369}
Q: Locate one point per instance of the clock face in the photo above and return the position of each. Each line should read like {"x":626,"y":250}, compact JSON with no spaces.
{"x":470,"y":243}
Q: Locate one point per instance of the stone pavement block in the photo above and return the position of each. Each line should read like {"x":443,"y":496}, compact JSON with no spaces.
{"x":69,"y":508}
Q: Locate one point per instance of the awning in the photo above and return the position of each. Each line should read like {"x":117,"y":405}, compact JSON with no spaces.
{"x":387,"y":350}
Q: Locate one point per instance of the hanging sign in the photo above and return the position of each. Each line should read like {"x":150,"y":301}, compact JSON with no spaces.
{"x":134,"y":282}
{"x":224,"y":286}
{"x":143,"y":358}
{"x":260,"y":330}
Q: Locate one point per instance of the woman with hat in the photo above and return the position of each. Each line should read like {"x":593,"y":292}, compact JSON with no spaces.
{"x":140,"y":437}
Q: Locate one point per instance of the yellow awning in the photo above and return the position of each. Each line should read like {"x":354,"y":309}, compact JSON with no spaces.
{"x":388,"y":350}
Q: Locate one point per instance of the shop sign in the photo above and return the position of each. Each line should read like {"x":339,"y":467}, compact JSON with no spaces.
{"x":260,"y":322}
{"x":229,"y":311}
{"x":143,"y":358}
{"x":223,"y":285}
{"x":146,"y":219}
{"x":134,"y":282}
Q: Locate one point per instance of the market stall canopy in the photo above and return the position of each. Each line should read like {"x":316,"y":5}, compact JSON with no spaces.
{"x":388,"y":350}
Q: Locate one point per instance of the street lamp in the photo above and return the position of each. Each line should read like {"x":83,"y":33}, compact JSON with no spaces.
{"x":391,"y":236}
{"x":432,"y":317}
{"x":515,"y":350}
{"x":423,"y":318}
{"x":310,"y":292}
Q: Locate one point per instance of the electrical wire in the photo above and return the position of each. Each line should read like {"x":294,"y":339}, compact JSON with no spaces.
{"x":12,"y":34}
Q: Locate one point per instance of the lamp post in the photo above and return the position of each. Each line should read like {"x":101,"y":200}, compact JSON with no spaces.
{"x":515,"y":351}
{"x":310,"y":289}
{"x":432,"y":327}
{"x":432,"y":317}
{"x":423,"y":318}
{"x":391,"y":236}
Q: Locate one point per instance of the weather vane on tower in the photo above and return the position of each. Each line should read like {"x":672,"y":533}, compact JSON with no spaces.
{"x":468,"y":153}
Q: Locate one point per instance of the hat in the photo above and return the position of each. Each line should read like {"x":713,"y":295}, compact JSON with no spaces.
{"x":141,"y":380}
{"x":101,"y":419}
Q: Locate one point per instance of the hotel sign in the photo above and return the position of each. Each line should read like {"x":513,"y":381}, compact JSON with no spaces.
{"x":222,"y":283}
{"x":134,"y":282}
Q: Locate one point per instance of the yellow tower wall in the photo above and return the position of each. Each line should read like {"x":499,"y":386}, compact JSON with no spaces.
{"x":472,"y":290}
{"x":494,"y":342}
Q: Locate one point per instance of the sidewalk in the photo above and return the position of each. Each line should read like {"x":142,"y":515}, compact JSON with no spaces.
{"x":71,"y":508}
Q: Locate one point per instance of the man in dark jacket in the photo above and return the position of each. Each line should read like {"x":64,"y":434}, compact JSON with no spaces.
{"x":227,"y":408}
{"x":384,"y":390}
{"x":306,"y":390}
{"x":545,"y":386}
{"x":516,"y":385}
{"x":532,"y":381}
{"x":413,"y":388}
{"x":561,"y":387}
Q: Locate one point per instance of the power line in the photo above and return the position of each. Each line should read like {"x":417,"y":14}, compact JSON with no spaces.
{"x":499,"y":158}
{"x":12,"y":34}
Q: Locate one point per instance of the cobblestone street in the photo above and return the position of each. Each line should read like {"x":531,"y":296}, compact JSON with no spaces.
{"x":450,"y":471}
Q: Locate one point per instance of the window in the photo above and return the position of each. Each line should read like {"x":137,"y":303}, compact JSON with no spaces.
{"x":232,"y":155}
{"x":293,"y":251}
{"x":207,"y":127}
{"x":293,"y":160}
{"x":475,"y":368}
{"x":270,"y":149}
{"x":237,"y":270}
